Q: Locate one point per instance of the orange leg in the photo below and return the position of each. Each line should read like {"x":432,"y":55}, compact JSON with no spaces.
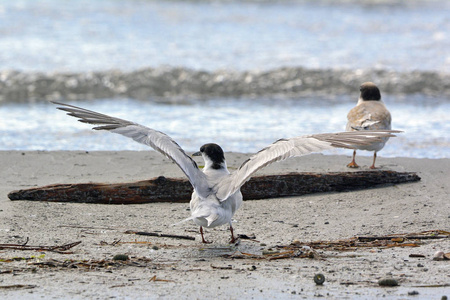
{"x":374,"y":158}
{"x":233,"y":239}
{"x":203,"y":238}
{"x":353,"y":163}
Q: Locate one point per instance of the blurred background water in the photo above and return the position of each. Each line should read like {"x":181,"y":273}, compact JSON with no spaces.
{"x":238,"y":73}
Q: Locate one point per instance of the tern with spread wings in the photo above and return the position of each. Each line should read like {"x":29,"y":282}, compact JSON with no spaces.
{"x":217,"y":195}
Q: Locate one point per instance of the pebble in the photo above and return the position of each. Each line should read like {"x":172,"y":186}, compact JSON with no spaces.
{"x":387,"y":282}
{"x":252,"y":268}
{"x":439,"y":255}
{"x":121,"y":257}
{"x":319,"y":279}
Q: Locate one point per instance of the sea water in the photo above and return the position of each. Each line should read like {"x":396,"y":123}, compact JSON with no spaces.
{"x":239,"y":73}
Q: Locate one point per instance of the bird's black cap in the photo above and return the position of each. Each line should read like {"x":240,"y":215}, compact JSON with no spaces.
{"x":370,"y":92}
{"x":215,"y":153}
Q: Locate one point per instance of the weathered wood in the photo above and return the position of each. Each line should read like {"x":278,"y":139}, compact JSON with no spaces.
{"x":163,"y":189}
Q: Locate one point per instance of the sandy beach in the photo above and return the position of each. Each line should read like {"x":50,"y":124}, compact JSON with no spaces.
{"x":167,"y":268}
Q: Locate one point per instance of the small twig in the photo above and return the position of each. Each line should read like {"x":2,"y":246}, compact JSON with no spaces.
{"x":157,"y":279}
{"x":137,"y":242}
{"x":11,"y":245}
{"x":417,"y":255}
{"x":229,"y":267}
{"x":426,"y":237}
{"x":409,"y":237}
{"x":65,"y":247}
{"x":18,"y":286}
{"x":433,"y":285}
{"x":174,"y":236}
{"x":16,"y":245}
{"x":58,"y":249}
{"x":87,"y":227}
{"x":26,"y":242}
{"x":120,"y":285}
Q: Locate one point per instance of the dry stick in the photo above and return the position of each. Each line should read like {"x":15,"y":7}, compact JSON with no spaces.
{"x":409,"y":237}
{"x":26,"y":242}
{"x":417,"y":255}
{"x":433,"y":285}
{"x":184,"y":237}
{"x":154,"y":278}
{"x":58,"y":249}
{"x":222,"y":267}
{"x":16,"y":245}
{"x":18,"y":286}
{"x":88,"y":227}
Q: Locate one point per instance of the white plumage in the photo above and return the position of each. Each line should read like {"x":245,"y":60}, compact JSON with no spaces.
{"x":217,"y":194}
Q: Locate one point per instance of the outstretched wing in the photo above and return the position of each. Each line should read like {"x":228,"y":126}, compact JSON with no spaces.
{"x":147,"y":136}
{"x":298,"y":146}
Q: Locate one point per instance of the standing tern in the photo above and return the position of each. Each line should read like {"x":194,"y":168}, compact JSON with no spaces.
{"x":217,"y":195}
{"x":370,"y":113}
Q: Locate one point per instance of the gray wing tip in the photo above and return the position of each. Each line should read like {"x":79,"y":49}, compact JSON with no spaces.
{"x":64,"y":105}
{"x":348,"y":139}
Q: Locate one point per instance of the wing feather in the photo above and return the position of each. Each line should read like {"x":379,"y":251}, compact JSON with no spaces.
{"x":147,"y":136}
{"x":298,"y":146}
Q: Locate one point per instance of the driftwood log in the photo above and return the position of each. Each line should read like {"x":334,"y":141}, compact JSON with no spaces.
{"x":163,"y":189}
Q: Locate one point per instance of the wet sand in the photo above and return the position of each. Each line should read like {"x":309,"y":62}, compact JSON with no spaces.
{"x":174,"y":268}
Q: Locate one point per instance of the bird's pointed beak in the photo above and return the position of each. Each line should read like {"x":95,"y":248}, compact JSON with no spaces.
{"x":197,"y":154}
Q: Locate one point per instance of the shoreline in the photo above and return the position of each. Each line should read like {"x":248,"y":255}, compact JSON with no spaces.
{"x":189,"y":269}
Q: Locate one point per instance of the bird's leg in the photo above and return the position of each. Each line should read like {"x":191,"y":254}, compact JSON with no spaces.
{"x":233,"y":239}
{"x":353,"y":163}
{"x":374,"y":158}
{"x":203,"y":238}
